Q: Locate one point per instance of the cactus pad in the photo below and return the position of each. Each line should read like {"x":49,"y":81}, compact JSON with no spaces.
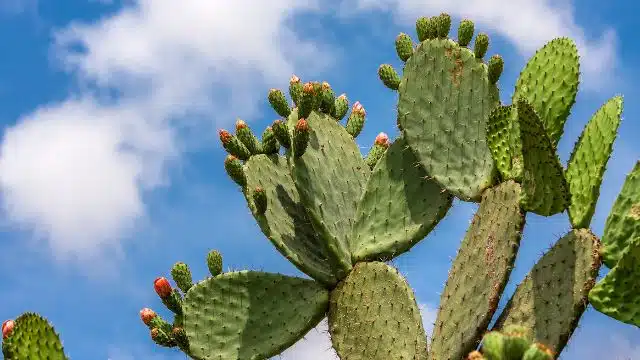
{"x":549,"y":82}
{"x":622,"y":221}
{"x":331,"y":177}
{"x":285,"y":222}
{"x":444,"y":100}
{"x":617,"y":294}
{"x":588,"y":161}
{"x":544,"y":188}
{"x":33,"y":338}
{"x":503,"y":137}
{"x":479,"y":273}
{"x":250,"y":315}
{"x":373,"y":315}
{"x":553,"y":296}
{"x":399,"y":207}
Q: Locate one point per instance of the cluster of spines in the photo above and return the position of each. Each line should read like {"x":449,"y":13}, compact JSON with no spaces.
{"x":173,"y":334}
{"x":437,"y":27}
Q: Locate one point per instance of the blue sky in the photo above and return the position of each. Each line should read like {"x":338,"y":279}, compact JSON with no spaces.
{"x":111,"y":170}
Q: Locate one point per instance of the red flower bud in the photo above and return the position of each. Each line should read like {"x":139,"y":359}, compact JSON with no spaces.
{"x":294,"y":79}
{"x":7,"y":328}
{"x":225,"y":136}
{"x":162,"y":287}
{"x":240,"y":124}
{"x":302,"y":125}
{"x":147,"y":315}
{"x":308,"y":88}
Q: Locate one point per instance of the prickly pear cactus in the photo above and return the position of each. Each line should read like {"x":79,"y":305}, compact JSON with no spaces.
{"x":339,"y":215}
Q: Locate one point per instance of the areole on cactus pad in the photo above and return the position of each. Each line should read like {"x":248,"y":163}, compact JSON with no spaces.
{"x":338,"y":215}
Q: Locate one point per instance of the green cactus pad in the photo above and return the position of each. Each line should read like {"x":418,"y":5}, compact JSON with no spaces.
{"x":444,"y":101}
{"x":33,"y":338}
{"x":544,"y":188}
{"x":331,"y":177}
{"x":549,"y":82}
{"x":623,"y":219}
{"x":553,"y":296}
{"x":479,"y":273}
{"x":373,"y":315}
{"x":503,"y":138}
{"x":400,"y":206}
{"x":617,"y":294}
{"x":285,"y":221}
{"x":251,"y":315}
{"x":588,"y":161}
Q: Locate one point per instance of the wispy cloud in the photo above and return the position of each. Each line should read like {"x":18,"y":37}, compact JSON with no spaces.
{"x":527,"y":24}
{"x":76,"y":172}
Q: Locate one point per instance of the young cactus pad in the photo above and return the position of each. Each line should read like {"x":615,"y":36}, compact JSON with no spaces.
{"x":589,"y":159}
{"x":479,"y":273}
{"x":445,"y":97}
{"x":32,"y":338}
{"x":374,"y":316}
{"x":250,"y":315}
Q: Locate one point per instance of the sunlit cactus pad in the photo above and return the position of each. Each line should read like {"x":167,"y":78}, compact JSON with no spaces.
{"x":445,"y":97}
{"x":479,"y":273}
{"x":374,"y":316}
{"x":250,"y":315}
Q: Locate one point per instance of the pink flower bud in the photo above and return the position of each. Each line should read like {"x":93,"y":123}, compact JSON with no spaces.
{"x":358,"y":108}
{"x":294,"y":79}
{"x":147,"y":315}
{"x":240,"y":124}
{"x":7,"y":328}
{"x":162,"y":287}
{"x":382,"y":139}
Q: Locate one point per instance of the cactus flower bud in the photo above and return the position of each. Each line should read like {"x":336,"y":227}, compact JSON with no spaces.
{"x":538,"y":352}
{"x":180,"y":337}
{"x":475,"y":355}
{"x":260,"y":200}
{"x":443,"y":25}
{"x":162,"y":287}
{"x":404,"y":46}
{"x":234,"y":169}
{"x":340,"y":108}
{"x":465,"y":32}
{"x":295,"y":89}
{"x":161,"y":338}
{"x":147,"y":315}
{"x":389,"y":76}
{"x":327,"y":98}
{"x":281,"y":131}
{"x":495,"y":68}
{"x":382,"y":139}
{"x":481,"y":45}
{"x":247,"y":137}
{"x":355,"y":122}
{"x":279,"y":102}
{"x":233,"y":145}
{"x":300,"y":137}
{"x":7,"y":328}
{"x":214,"y":262}
{"x":309,"y":100}
{"x":182,"y":276}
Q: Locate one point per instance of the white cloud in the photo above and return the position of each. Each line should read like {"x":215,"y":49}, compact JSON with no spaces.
{"x":76,"y":172}
{"x":528,"y":24}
